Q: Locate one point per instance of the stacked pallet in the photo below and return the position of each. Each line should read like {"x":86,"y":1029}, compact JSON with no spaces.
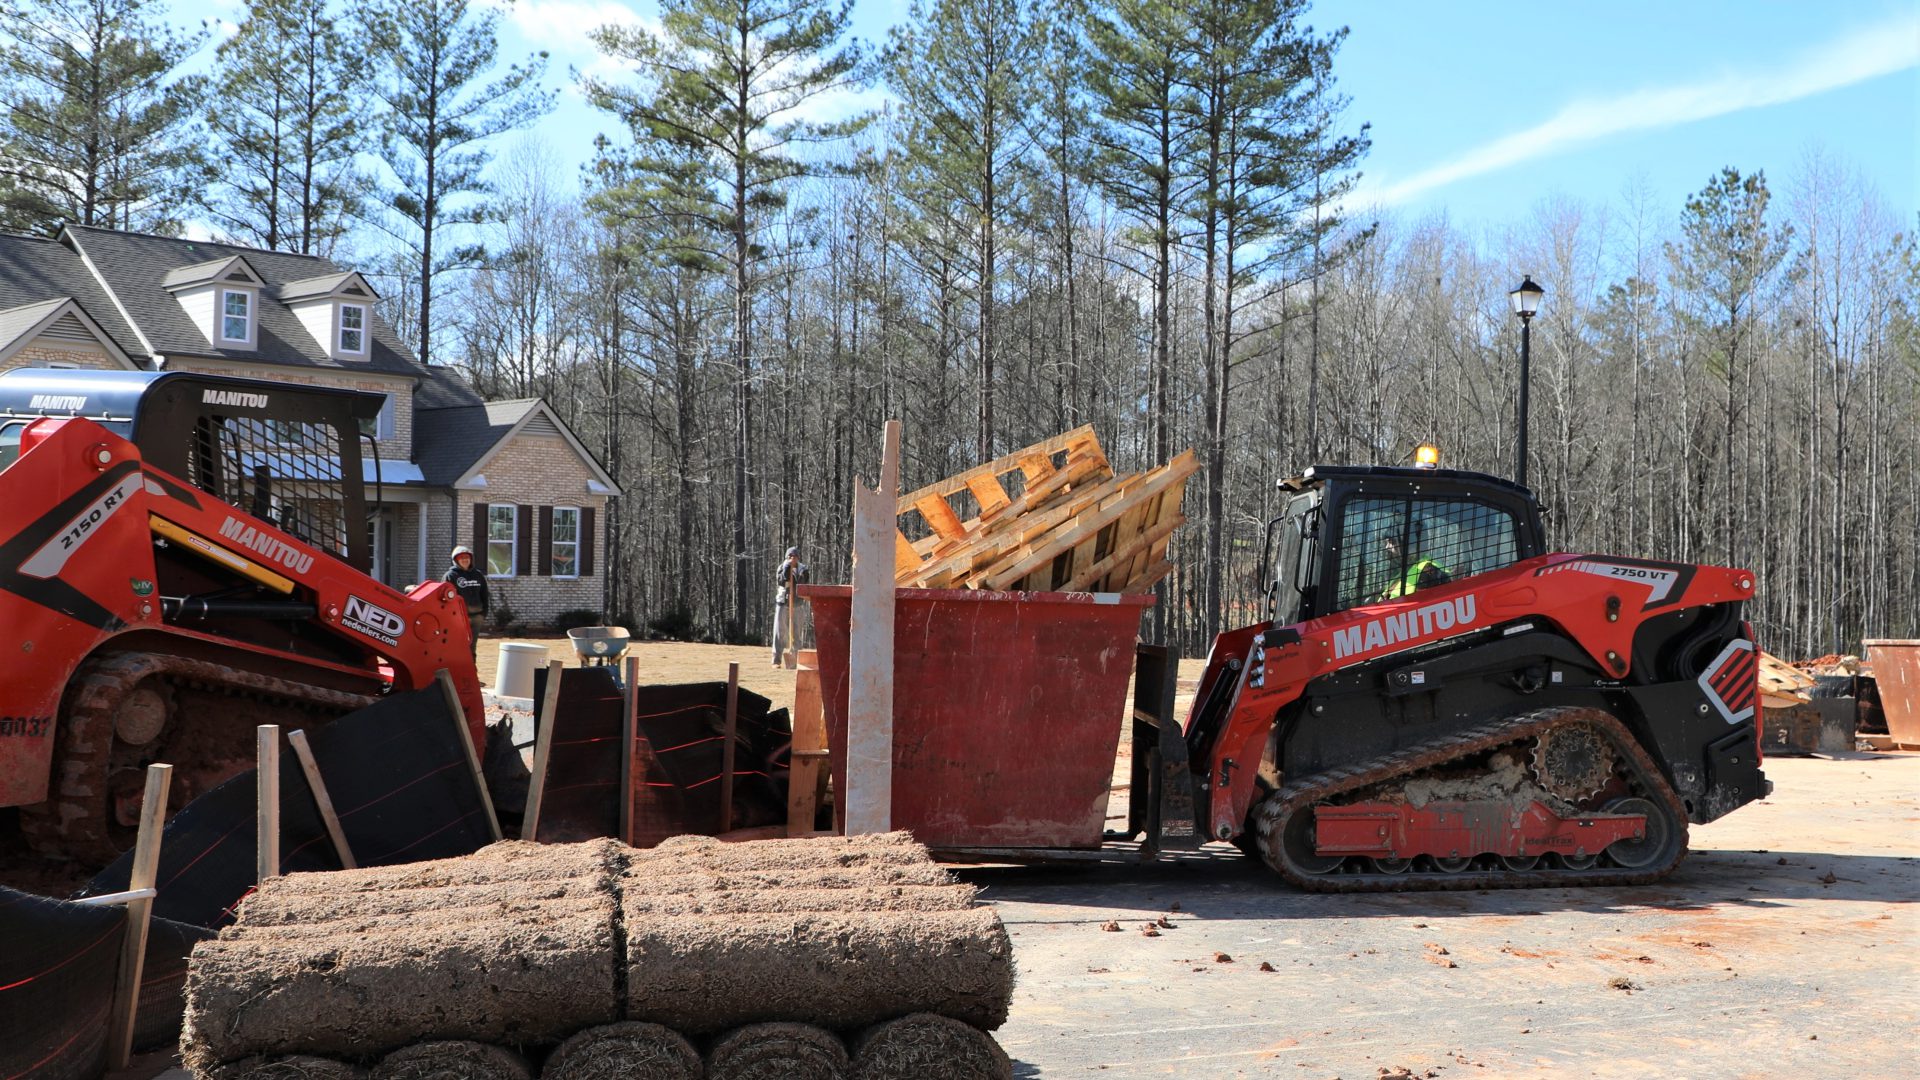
{"x":1782,"y":686}
{"x":817,"y":958}
{"x":1075,"y":525}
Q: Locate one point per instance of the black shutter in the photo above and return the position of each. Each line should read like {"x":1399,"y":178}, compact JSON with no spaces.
{"x":479,"y":544}
{"x":523,"y":548}
{"x":545,"y":566}
{"x":586,"y":541}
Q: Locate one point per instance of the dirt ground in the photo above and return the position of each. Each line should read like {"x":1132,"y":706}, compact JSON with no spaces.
{"x":667,"y":662}
{"x":1787,"y":945}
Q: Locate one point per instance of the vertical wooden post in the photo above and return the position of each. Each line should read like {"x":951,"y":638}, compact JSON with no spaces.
{"x":133,"y":948}
{"x":473,"y":753}
{"x":793,"y":626}
{"x":318,"y":785}
{"x":629,"y":735}
{"x":809,"y":750}
{"x":869,"y":794}
{"x":267,"y":815}
{"x":542,"y":746}
{"x":728,"y":733}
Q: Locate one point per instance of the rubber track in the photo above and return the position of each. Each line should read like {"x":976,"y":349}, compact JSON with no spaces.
{"x":73,"y":822}
{"x":1644,"y":775}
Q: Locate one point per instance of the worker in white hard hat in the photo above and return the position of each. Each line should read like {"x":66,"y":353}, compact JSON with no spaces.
{"x":472,"y":585}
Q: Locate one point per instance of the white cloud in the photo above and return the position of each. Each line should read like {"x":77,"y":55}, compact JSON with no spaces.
{"x":564,"y":27}
{"x":1852,"y":58}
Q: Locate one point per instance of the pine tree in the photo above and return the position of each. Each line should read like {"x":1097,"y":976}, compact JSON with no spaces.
{"x":437,"y":108}
{"x":724,"y":81}
{"x":98,"y":125}
{"x":1725,"y":259}
{"x":963,"y":67}
{"x":1265,"y":159}
{"x":288,"y":117}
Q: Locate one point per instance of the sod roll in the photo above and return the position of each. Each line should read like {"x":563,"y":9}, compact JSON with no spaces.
{"x":353,"y":995}
{"x":777,"y":1051}
{"x":506,"y":861}
{"x":452,"y":1059}
{"x":705,"y":973}
{"x":791,"y":901}
{"x":290,"y":1067}
{"x":274,"y":906}
{"x":624,"y":1051}
{"x":924,"y":1045}
{"x":685,"y":880}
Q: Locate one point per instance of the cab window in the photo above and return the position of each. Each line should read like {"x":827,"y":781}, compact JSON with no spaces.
{"x":1392,"y":547}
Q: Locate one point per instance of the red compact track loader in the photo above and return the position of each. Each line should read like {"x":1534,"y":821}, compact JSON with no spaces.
{"x":183,"y":557}
{"x":1437,"y":702}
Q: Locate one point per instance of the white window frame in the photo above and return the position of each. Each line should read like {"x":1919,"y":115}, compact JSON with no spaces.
{"x":220,"y":314}
{"x":512,"y":541}
{"x":554,"y":545}
{"x":340,"y":329}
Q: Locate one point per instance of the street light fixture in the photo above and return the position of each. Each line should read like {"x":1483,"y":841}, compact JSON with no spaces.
{"x":1526,"y":298}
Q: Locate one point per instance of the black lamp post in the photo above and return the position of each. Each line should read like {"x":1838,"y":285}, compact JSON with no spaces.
{"x":1526,"y":300}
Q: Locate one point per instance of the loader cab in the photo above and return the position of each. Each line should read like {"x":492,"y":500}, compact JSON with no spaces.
{"x":1356,"y":535}
{"x":289,"y":455}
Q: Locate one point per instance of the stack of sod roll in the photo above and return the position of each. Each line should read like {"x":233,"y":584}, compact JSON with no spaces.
{"x":797,"y":959}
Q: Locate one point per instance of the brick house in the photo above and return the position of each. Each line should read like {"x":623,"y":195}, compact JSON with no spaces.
{"x":506,"y":478}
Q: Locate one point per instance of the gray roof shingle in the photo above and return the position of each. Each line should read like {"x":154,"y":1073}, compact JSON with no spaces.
{"x":135,"y":265}
{"x":447,"y":441}
{"x":34,"y":270}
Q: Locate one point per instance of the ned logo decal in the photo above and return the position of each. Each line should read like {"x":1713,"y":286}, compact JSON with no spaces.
{"x":373,"y":620}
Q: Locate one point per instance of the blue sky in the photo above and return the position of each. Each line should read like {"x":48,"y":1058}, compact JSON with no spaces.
{"x":1482,"y":110}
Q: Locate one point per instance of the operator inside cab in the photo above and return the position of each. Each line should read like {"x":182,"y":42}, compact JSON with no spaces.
{"x":1421,"y":571}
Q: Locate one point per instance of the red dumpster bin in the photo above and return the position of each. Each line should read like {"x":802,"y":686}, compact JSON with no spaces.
{"x":1007,"y":710}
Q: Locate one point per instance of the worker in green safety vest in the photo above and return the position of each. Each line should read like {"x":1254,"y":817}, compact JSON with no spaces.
{"x":1422,"y":572}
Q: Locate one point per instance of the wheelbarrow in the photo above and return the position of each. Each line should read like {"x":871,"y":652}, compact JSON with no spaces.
{"x":599,"y":645}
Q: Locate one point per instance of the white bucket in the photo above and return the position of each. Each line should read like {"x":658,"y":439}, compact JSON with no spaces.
{"x":514,"y":676}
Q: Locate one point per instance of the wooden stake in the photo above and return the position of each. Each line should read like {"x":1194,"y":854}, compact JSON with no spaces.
{"x":133,"y":947}
{"x":473,"y":754}
{"x":809,"y":749}
{"x":792,"y":651}
{"x":542,"y":746}
{"x":869,"y":794}
{"x":266,"y":776}
{"x":298,"y":740}
{"x":629,"y":736}
{"x":726,"y":745}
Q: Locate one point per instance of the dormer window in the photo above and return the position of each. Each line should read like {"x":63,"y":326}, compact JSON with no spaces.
{"x":353,"y":328}
{"x":236,"y":316}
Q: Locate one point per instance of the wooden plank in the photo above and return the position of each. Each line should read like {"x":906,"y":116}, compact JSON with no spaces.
{"x":1149,"y":580}
{"x":869,"y":795}
{"x":629,"y":736}
{"x":473,"y":752}
{"x":808,"y":752}
{"x":992,"y":497}
{"x":940,"y":516}
{"x":542,"y":747}
{"x":133,"y":947}
{"x":322,"y":800}
{"x":266,"y":778}
{"x":1078,"y":436}
{"x":728,"y":733}
{"x":1036,"y":467}
{"x":1098,"y":571}
{"x":1085,"y":527}
{"x":905,"y":558}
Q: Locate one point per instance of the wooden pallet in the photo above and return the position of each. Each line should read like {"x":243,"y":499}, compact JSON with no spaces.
{"x":1076,"y":526}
